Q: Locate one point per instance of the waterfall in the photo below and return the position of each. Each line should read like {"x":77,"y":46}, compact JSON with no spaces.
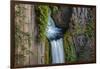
{"x":54,"y":35}
{"x":57,"y":51}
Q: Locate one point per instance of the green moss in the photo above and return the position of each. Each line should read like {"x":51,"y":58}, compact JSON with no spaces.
{"x":54,"y":9}
{"x":47,"y":57}
{"x":70,"y":54}
{"x":42,"y":12}
{"x":42,"y":19}
{"x":89,"y":32}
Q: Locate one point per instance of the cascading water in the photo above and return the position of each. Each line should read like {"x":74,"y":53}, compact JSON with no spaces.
{"x":57,"y":51}
{"x":54,"y":34}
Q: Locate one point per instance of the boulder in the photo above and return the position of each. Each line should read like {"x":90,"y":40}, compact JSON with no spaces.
{"x":62,"y":17}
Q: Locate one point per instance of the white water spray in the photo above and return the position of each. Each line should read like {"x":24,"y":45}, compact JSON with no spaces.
{"x":52,"y":32}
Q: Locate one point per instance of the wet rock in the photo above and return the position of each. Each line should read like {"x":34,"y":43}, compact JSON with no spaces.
{"x":62,"y":17}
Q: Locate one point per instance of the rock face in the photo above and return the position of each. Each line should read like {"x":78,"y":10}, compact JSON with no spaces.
{"x":83,"y":33}
{"x":80,"y":23}
{"x":62,"y":17}
{"x":25,"y":25}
